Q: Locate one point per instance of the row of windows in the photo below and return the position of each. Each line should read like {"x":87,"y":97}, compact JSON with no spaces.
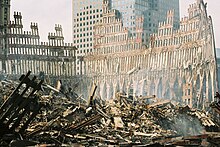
{"x":82,"y":35}
{"x":88,"y":12}
{"x":189,"y":27}
{"x":84,"y":45}
{"x":52,"y":68}
{"x":121,"y":48}
{"x":84,"y":51}
{"x":85,"y":24}
{"x":176,"y":40}
{"x":82,"y":40}
{"x":32,"y":51}
{"x":82,"y":29}
{"x":14,"y":40}
{"x":87,"y":17}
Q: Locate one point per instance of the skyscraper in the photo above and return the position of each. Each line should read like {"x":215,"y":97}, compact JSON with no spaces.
{"x":153,"y":11}
{"x":85,"y":14}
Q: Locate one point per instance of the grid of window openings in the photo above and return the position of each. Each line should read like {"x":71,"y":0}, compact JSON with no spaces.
{"x":153,"y":11}
{"x":85,"y":14}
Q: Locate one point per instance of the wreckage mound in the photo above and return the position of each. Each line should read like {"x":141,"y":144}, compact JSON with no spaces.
{"x":62,"y":121}
{"x":114,"y":123}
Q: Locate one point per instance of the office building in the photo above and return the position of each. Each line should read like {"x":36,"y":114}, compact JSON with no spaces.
{"x":153,"y":11}
{"x":85,"y":14}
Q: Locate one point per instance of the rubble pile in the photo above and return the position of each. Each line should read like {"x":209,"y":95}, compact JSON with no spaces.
{"x":6,"y":88}
{"x":123,"y":121}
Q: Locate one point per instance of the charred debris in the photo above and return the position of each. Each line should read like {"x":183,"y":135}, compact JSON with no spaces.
{"x":33,"y":113}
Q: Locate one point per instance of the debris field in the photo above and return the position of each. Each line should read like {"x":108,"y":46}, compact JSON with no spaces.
{"x":36,"y":114}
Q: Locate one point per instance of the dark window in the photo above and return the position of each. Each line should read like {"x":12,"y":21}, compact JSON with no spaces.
{"x":188,"y":91}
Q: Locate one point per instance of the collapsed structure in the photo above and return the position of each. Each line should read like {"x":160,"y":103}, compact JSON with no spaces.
{"x":179,"y":63}
{"x":33,"y":115}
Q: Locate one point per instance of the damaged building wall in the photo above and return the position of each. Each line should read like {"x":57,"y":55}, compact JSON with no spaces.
{"x":4,"y":20}
{"x":1,"y":50}
{"x":175,"y":58}
{"x":26,"y":52}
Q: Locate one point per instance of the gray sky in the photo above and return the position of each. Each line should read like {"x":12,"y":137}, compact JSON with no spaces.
{"x":47,"y":13}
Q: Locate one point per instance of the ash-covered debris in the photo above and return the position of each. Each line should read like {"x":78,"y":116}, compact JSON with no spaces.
{"x":67,"y":119}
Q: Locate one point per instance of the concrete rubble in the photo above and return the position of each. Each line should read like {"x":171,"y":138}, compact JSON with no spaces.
{"x":46,"y":116}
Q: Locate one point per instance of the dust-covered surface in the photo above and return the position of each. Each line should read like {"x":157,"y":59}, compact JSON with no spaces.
{"x":66,"y":119}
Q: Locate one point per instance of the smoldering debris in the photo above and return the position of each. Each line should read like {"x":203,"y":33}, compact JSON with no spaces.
{"x":64,"y":120}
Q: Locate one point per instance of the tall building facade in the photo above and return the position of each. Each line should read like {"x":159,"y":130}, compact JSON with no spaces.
{"x":153,"y":12}
{"x":178,"y":64}
{"x":4,"y":20}
{"x":4,"y":13}
{"x":21,"y":50}
{"x":86,"y":13}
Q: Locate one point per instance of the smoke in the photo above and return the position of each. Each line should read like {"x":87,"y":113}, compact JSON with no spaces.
{"x":187,"y":125}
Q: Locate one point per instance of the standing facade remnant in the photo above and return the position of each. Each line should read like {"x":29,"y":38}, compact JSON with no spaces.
{"x":174,"y":58}
{"x":88,"y":12}
{"x":21,"y":51}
